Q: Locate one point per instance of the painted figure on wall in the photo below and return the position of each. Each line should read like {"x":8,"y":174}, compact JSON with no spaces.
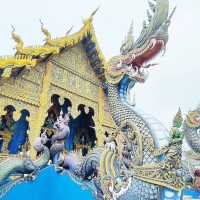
{"x":91,"y":127}
{"x":80,"y":124}
{"x":19,"y":136}
{"x":84,"y":127}
{"x":55,"y":109}
{"x":66,"y":109}
{"x":6,"y":123}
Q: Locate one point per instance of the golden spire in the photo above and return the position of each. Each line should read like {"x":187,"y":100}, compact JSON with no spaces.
{"x":68,"y":32}
{"x":90,"y":18}
{"x":94,"y":12}
{"x":17,"y":39}
{"x":45,"y":31}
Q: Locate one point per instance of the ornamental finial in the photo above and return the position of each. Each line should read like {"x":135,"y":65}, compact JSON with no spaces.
{"x":45,"y":31}
{"x":178,"y":119}
{"x":90,"y":18}
{"x":68,"y":32}
{"x":94,"y":12}
{"x":16,"y":38}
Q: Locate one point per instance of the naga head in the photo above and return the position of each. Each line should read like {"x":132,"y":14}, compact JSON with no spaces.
{"x":191,"y":128}
{"x":27,"y":167}
{"x":193,"y":119}
{"x":136,"y":55}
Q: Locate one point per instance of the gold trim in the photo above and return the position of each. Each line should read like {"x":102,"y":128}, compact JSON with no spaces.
{"x":108,"y":162}
{"x":43,"y":102}
{"x":52,"y":46}
{"x":113,"y":173}
{"x":36,"y":51}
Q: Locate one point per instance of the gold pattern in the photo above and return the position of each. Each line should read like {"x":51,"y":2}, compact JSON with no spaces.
{"x":36,"y":51}
{"x":43,"y":101}
{"x":24,"y":55}
{"x":163,"y":173}
{"x":66,"y":73}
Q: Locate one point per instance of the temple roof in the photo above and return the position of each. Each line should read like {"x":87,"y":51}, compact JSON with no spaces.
{"x":29,"y":57}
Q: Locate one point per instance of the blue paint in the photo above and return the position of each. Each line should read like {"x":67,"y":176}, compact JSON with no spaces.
{"x":90,"y":48}
{"x":49,"y":185}
{"x":191,"y":192}
{"x":19,"y":136}
{"x":123,"y":87}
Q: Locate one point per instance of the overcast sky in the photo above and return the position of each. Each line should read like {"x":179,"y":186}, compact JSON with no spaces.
{"x":174,"y":83}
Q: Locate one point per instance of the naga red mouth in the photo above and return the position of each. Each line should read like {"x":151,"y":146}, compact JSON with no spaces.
{"x":139,"y":58}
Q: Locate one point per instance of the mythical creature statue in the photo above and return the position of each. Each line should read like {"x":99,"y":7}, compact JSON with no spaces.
{"x":191,"y":129}
{"x":20,"y":165}
{"x":142,"y":170}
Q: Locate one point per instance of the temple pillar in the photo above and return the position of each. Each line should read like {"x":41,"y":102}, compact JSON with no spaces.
{"x":43,"y":104}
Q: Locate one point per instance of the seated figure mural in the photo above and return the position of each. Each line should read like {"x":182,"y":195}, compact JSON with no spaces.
{"x":63,"y":132}
{"x":66,"y":109}
{"x":6,"y":123}
{"x":14,"y":134}
{"x":55,"y":109}
{"x":19,"y":134}
{"x":91,"y":127}
{"x":84,"y":126}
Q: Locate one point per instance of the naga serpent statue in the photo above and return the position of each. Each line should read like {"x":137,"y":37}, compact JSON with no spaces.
{"x":144,"y":164}
{"x":18,"y":166}
{"x":141,"y":168}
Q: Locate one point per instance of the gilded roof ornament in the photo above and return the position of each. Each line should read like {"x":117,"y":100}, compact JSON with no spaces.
{"x":45,"y":31}
{"x":69,"y":31}
{"x":17,"y":39}
{"x":7,"y":63}
{"x":35,"y":51}
{"x":53,"y":46}
{"x":90,"y":18}
{"x":61,"y":42}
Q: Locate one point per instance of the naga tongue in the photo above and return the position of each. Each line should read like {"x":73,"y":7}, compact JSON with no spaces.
{"x":150,"y":65}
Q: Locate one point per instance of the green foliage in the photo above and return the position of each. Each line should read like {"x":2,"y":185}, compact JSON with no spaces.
{"x":178,"y":119}
{"x":176,"y":135}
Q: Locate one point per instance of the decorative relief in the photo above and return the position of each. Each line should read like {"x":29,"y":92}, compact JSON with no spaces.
{"x":71,"y":82}
{"x":26,"y":87}
{"x":35,"y":75}
{"x":22,"y":90}
{"x":76,"y":59}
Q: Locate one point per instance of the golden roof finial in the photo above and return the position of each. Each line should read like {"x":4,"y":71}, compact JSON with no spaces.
{"x":67,"y":33}
{"x":90,"y":18}
{"x":45,"y":31}
{"x":17,"y":39}
{"x":94,"y":12}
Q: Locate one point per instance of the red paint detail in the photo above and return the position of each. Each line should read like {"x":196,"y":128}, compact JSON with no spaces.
{"x":147,"y":55}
